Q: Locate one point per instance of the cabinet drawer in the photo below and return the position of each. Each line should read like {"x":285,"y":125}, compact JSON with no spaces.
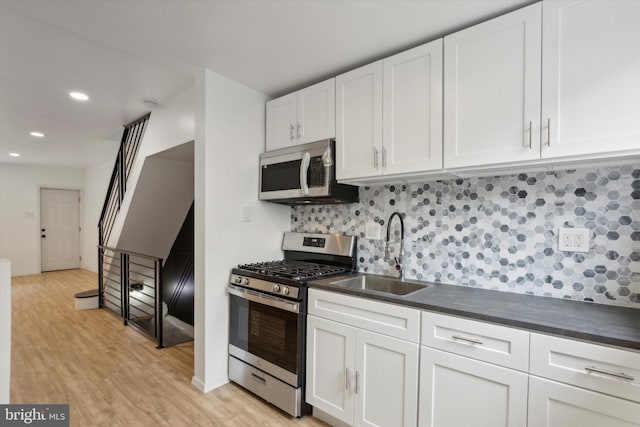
{"x":388,"y":319}
{"x":490,"y":343}
{"x":595,"y":367}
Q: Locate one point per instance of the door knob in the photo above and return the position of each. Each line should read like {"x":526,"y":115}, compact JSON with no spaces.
{"x":43,"y":230}
{"x":43,"y":236}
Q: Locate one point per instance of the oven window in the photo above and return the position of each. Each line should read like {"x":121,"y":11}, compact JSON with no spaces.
{"x":267,"y":332}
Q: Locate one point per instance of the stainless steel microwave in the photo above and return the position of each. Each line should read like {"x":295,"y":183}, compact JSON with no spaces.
{"x":303,"y":174}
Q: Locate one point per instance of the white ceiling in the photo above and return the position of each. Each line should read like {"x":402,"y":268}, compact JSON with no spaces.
{"x":122,"y":52}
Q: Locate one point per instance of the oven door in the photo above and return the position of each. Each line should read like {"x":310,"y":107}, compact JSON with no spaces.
{"x":297,"y":172}
{"x":267,"y":332}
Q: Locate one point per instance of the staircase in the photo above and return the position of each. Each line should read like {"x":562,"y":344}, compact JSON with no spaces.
{"x":132,"y":282}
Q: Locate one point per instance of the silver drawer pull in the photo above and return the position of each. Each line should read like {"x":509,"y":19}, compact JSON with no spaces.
{"x":621,"y":375}
{"x":258,"y":378}
{"x":470,"y":340}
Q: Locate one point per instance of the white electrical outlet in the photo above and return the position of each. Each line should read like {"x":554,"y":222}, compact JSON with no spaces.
{"x":580,"y":240}
{"x":372,"y":231}
{"x":573,"y":239}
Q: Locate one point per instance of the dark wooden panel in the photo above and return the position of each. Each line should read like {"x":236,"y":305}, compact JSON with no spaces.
{"x":177,"y":273}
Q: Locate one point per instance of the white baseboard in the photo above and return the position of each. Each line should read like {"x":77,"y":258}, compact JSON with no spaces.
{"x":206,"y":388}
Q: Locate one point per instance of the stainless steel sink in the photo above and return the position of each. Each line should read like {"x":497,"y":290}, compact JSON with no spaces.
{"x":387,"y":285}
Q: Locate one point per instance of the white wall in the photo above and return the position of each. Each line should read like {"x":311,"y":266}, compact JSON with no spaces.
{"x":230,"y":134}
{"x":164,"y":195}
{"x":5,"y":330}
{"x":96,"y":181}
{"x":170,"y":125}
{"x":20,"y":211}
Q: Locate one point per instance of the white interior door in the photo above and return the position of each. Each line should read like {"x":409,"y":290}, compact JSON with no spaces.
{"x":60,"y":229}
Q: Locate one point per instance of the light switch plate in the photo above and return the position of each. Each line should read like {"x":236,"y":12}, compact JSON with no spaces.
{"x":247,"y":214}
{"x":372,"y":231}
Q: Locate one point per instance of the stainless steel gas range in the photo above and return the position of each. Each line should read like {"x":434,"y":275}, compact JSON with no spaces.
{"x":268,"y":306}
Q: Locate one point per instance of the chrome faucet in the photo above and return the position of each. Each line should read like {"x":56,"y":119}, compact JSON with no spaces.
{"x":400,"y":258}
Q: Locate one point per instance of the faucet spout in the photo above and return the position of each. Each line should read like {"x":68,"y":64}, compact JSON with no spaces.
{"x":400,"y":258}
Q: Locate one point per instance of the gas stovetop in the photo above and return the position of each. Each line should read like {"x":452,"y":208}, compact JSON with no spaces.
{"x":293,"y":270}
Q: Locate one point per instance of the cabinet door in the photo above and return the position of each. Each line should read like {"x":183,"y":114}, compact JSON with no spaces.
{"x":330,"y":367}
{"x":458,"y":391}
{"x":386,"y":383}
{"x":492,"y":91}
{"x":412,"y":114}
{"x":281,"y":122}
{"x":359,"y":122}
{"x":591,"y":77}
{"x":317,"y":112}
{"x":552,"y":404}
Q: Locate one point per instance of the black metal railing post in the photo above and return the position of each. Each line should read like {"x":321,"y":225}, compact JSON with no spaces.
{"x":158,"y":295}
{"x":100,"y":276}
{"x":124,"y":288}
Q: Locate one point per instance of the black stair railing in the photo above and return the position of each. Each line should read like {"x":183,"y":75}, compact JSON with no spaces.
{"x":129,"y":146}
{"x":130,"y":286}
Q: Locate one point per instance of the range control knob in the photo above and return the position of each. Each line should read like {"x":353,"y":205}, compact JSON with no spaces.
{"x":245,"y":281}
{"x":285,"y":290}
{"x":276,"y":288}
{"x":238,"y":280}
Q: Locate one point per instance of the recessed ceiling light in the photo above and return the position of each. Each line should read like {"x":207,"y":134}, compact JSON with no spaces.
{"x":14,"y":154}
{"x":37,"y":134}
{"x":79,"y":96}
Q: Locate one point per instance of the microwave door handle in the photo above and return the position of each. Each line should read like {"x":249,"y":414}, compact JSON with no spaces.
{"x":304,"y":167}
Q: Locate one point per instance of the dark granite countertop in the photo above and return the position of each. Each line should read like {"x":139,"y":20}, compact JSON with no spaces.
{"x":619,"y":326}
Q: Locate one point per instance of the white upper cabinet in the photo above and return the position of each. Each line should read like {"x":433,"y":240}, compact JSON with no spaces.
{"x":281,"y":122}
{"x":389,"y":115}
{"x":492,"y":91}
{"x":359,"y":122}
{"x":300,"y":117}
{"x":412,"y":110}
{"x":590,"y":77}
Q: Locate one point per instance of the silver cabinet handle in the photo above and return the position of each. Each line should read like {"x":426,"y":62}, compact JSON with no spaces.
{"x":621,"y":375}
{"x":291,"y":132}
{"x":384,"y":157}
{"x":375,"y":158}
{"x":469,"y":340}
{"x":347,"y":379}
{"x":530,"y":136}
{"x":357,"y":377}
{"x":298,"y":130}
{"x":549,"y":132}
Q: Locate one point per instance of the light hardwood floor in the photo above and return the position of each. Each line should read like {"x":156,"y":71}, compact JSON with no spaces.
{"x":109,"y":374}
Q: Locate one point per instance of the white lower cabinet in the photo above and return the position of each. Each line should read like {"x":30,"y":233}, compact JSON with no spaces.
{"x":552,"y":404}
{"x":386,"y":381}
{"x":359,"y":377}
{"x":330,"y":363}
{"x":363,"y":369}
{"x":457,"y":391}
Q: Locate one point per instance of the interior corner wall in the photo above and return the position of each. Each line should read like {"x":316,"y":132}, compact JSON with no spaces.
{"x":96,"y":181}
{"x":230,"y":135}
{"x":20,"y":210}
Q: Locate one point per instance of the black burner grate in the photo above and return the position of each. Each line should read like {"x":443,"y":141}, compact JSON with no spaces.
{"x":294,"y":270}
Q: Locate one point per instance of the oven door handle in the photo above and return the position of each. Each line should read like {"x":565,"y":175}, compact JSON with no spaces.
{"x":261,"y":298}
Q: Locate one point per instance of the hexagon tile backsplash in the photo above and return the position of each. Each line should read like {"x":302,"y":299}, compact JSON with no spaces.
{"x":501,"y":232}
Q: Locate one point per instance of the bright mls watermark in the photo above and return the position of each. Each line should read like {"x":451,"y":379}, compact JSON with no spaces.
{"x":34,"y":415}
